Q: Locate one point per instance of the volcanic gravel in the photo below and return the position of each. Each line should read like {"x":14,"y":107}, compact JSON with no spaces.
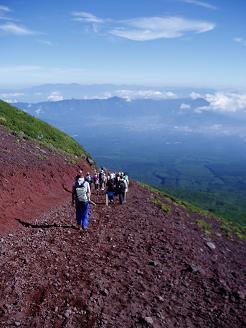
{"x":32,"y":179}
{"x":136,"y":266}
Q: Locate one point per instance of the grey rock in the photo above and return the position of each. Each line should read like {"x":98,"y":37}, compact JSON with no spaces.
{"x":211,"y":245}
{"x":149,"y":320}
{"x":160,"y":298}
{"x":104,"y":292}
{"x":67,"y":313}
{"x":195,"y":269}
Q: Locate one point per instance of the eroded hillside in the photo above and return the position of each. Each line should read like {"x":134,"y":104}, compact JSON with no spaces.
{"x":32,"y":179}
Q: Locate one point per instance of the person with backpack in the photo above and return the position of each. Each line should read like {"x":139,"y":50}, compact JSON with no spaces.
{"x":80,"y":198}
{"x":96,"y":181}
{"x":110,"y":189}
{"x":121,"y":190}
{"x":102,"y":179}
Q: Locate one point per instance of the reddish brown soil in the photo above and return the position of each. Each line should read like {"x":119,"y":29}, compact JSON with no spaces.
{"x":32,"y":179}
{"x":136,"y":266}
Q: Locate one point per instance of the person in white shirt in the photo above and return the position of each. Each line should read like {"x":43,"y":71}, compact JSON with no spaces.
{"x":80,"y":198}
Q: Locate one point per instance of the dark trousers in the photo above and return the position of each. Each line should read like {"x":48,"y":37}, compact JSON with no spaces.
{"x":121,"y":197}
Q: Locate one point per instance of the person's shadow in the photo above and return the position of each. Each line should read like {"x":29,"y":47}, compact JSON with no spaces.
{"x":45,"y":226}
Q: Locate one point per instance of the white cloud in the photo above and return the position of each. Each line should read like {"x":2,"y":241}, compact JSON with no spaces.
{"x":83,"y":16}
{"x":184,"y":106}
{"x":11,"y":94}
{"x":240,"y":40}
{"x":145,"y":94}
{"x":147,"y":28}
{"x":10,"y":97}
{"x":195,"y":95}
{"x":4,"y":9}
{"x":55,"y":96}
{"x":201,"y":4}
{"x":13,"y":28}
{"x":224,"y":102}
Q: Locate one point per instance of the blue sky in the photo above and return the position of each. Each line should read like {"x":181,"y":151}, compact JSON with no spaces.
{"x":153,"y":42}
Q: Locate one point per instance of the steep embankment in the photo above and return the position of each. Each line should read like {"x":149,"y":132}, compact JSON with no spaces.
{"x":35,"y":166}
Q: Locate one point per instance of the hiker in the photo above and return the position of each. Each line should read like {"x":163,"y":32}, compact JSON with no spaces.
{"x":79,"y":175}
{"x":121,"y":189}
{"x":110,"y":189}
{"x":126,"y":178}
{"x":80,"y":198}
{"x":88,"y":178}
{"x":102,"y":179}
{"x":96,"y":181}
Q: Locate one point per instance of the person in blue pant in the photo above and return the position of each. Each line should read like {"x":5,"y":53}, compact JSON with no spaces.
{"x":80,"y":198}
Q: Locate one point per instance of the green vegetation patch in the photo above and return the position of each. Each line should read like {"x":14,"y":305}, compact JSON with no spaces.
{"x":164,"y":207}
{"x":205,"y":227}
{"x":228,"y":227}
{"x":26,"y":126}
{"x":41,"y":157}
{"x":233,"y":229}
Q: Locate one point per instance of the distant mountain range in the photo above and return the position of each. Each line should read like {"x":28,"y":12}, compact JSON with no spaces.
{"x":55,"y":92}
{"x":180,"y":115}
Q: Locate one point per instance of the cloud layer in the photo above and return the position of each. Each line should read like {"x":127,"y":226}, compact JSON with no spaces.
{"x":144,"y":94}
{"x":55,"y":96}
{"x":222,"y":101}
{"x":145,"y":28}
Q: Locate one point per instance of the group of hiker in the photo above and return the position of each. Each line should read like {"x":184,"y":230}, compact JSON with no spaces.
{"x":114,"y":184}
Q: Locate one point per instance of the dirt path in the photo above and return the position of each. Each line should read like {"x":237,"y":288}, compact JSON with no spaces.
{"x":135,"y":267}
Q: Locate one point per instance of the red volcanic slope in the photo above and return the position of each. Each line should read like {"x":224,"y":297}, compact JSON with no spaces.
{"x":137,"y":266}
{"x":32,"y":179}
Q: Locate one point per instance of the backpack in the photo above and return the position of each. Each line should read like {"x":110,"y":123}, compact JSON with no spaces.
{"x":81,"y":193}
{"x":122,"y":186}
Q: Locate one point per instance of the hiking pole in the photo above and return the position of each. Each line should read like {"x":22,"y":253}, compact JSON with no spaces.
{"x":91,"y":202}
{"x":106,"y":200}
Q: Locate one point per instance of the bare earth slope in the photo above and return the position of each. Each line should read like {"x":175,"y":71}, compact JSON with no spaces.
{"x":32,"y":179}
{"x":136,"y":266}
